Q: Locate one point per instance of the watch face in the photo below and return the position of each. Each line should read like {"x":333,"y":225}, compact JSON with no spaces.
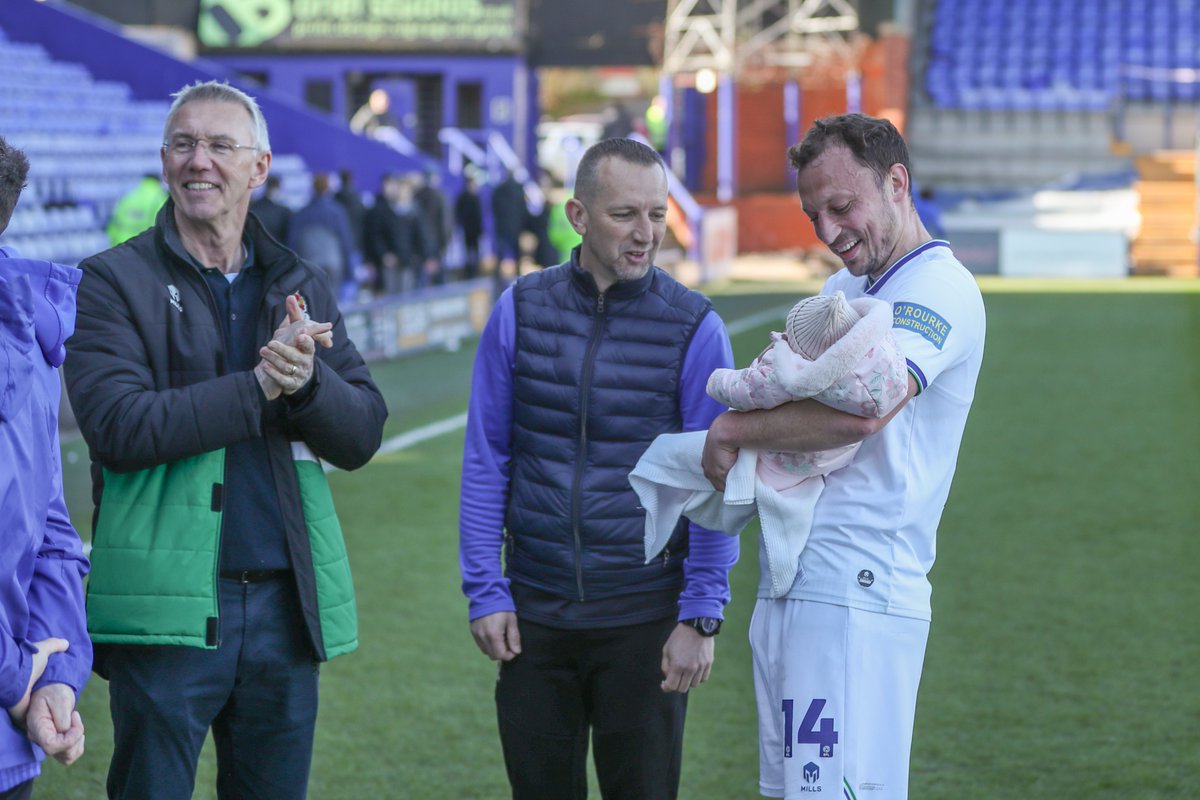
{"x":707,"y":625}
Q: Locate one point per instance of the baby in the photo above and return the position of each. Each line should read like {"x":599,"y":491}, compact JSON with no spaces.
{"x":838,"y":352}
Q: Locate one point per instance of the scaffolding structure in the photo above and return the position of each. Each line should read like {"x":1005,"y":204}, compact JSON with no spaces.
{"x":727,"y":38}
{"x":729,"y":35}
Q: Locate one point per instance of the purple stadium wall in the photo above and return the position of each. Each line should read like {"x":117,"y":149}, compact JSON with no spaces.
{"x":71,"y":34}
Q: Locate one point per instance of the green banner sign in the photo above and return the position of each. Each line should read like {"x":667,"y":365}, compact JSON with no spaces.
{"x":291,"y":25}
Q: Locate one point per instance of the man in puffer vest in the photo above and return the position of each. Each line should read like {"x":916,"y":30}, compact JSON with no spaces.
{"x":210,"y":373}
{"x":579,"y":368}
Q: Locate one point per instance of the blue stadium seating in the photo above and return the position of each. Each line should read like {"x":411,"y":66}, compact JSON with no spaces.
{"x":88,"y":143}
{"x":1062,"y":54}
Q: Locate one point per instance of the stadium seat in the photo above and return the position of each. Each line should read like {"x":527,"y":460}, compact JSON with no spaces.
{"x":980,"y":52}
{"x":88,"y":141}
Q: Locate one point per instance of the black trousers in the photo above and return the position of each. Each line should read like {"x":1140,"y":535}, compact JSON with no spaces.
{"x":606,"y":682}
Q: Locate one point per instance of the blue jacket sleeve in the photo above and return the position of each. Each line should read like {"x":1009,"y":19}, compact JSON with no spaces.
{"x":16,"y":654}
{"x":56,"y":606}
{"x":16,"y":661}
{"x":485,"y":474}
{"x":711,"y":554}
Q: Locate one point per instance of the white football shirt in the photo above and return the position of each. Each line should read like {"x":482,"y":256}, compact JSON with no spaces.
{"x":874,"y":529}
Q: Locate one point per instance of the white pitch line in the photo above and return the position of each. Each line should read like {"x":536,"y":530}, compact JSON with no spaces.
{"x":425,"y":432}
{"x":740,"y":326}
{"x":408,"y":439}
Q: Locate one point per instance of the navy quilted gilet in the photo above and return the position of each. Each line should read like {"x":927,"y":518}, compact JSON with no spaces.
{"x":596,"y":379}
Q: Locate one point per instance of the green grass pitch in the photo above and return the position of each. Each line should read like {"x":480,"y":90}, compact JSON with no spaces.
{"x":1063,"y":655}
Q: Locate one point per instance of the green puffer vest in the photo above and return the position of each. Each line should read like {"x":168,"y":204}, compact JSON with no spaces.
{"x":156,"y":550}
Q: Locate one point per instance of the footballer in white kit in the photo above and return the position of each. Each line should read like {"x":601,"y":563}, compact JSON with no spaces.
{"x":837,"y":662}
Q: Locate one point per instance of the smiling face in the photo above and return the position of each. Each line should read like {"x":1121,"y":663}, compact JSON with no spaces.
{"x":864,"y":223}
{"x":622,"y":222}
{"x":213,"y":193}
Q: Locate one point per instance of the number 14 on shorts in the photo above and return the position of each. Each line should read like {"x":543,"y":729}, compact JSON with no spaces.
{"x":814,"y":729}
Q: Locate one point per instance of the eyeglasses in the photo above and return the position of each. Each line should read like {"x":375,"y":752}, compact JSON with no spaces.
{"x":184,"y":146}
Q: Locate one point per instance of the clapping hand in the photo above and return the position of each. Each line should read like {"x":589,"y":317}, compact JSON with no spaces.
{"x":287,"y":360}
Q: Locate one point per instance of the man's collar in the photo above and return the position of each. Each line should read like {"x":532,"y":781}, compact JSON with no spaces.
{"x":619,"y":289}
{"x":174,"y":240}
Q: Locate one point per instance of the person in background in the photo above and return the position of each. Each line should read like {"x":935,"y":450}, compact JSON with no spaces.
{"x":591,"y":640}
{"x":562,"y":235}
{"x":135,"y":211}
{"x":274,"y":215}
{"x":545,"y":254}
{"x":349,"y":198}
{"x":45,"y":652}
{"x":320,"y":233}
{"x":618,"y":123}
{"x":395,"y":238}
{"x":211,"y":376}
{"x":374,"y":115}
{"x":928,"y":210}
{"x":468,"y":215}
{"x":656,"y":123}
{"x":509,"y":216}
{"x":435,"y":214}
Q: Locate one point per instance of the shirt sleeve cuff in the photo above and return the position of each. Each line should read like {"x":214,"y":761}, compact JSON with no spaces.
{"x":691,"y":609}
{"x":299,"y":398}
{"x":494,"y":607}
{"x":917,"y":374}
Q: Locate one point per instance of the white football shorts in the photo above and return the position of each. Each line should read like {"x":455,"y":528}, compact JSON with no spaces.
{"x":837,"y":693}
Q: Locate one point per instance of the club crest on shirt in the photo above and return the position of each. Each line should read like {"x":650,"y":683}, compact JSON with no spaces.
{"x":173,"y":297}
{"x":303,"y":304}
{"x":924,"y":322}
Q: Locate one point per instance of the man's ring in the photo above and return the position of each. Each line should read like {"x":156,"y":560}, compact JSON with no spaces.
{"x":293,"y":372}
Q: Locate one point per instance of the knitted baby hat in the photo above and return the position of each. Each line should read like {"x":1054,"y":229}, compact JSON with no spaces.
{"x":815,"y":323}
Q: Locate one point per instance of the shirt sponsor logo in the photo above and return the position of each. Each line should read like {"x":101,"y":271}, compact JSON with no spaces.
{"x":870,"y":787}
{"x":173,"y":295}
{"x":812,"y":774}
{"x":922,"y":321}
{"x":866,"y":578}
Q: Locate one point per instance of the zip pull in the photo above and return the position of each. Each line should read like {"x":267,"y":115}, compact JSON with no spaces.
{"x":666,"y":556}
{"x":600,"y":304}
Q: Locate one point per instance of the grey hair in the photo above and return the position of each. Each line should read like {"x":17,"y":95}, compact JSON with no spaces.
{"x":221,"y":91}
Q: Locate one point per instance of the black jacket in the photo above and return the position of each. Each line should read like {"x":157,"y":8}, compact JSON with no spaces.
{"x":149,"y":384}
{"x":403,"y":235}
{"x":468,"y":213}
{"x":356,"y":212}
{"x":275,"y":217}
{"x":509,"y":212}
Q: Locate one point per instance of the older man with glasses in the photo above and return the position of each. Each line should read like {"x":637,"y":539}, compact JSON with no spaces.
{"x":211,"y":373}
